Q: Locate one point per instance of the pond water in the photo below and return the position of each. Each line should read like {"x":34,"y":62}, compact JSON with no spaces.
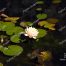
{"x":54,"y":41}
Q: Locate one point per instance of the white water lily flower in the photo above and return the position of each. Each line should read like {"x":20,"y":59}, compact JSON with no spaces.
{"x":31,"y":32}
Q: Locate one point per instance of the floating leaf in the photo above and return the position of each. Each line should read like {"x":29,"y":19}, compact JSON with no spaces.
{"x":0,"y":25}
{"x":40,"y":2}
{"x":50,"y":26}
{"x":1,"y":64}
{"x":1,"y":47}
{"x":42,"y":33}
{"x":8,"y":26}
{"x":11,"y":19}
{"x":25,"y":24}
{"x":15,"y":38}
{"x":56,"y":1}
{"x":10,"y":32}
{"x":41,"y":16}
{"x":13,"y":50}
{"x":18,"y":30}
{"x":52,"y":20}
{"x":47,"y":25}
{"x":42,"y":23}
{"x":39,"y":9}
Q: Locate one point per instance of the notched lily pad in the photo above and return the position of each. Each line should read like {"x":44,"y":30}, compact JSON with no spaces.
{"x":13,"y":50}
{"x":42,"y":16}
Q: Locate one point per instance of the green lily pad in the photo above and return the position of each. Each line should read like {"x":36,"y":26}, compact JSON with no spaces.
{"x":13,"y":50}
{"x":40,"y":2}
{"x":42,"y":33}
{"x":1,"y":47}
{"x":18,"y":30}
{"x":7,"y":26}
{"x":42,"y":16}
{"x":39,"y":9}
{"x":10,"y":32}
{"x":15,"y":38}
{"x":2,"y":26}
{"x":42,"y":23}
{"x":25,"y":24}
{"x":1,"y":64}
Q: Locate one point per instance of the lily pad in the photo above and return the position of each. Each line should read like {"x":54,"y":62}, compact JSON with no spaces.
{"x":42,"y":23}
{"x":42,"y":16}
{"x":25,"y":24}
{"x":40,"y":2}
{"x":39,"y":9}
{"x":10,"y":32}
{"x":46,"y":24}
{"x":12,"y":19}
{"x":13,"y":50}
{"x":2,"y":26}
{"x":15,"y":38}
{"x":50,"y":26}
{"x":1,"y":47}
{"x":42,"y":33}
{"x":8,"y":26}
{"x":18,"y":30}
{"x":1,"y":64}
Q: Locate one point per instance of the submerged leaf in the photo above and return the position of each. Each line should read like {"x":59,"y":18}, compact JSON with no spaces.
{"x":56,"y":1}
{"x":42,"y":16}
{"x":52,"y":20}
{"x":13,"y":50}
{"x":45,"y":55}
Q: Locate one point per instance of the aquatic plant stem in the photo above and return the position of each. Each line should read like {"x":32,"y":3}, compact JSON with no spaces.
{"x":10,"y":59}
{"x":6,"y":43}
{"x":29,"y":7}
{"x":34,"y":22}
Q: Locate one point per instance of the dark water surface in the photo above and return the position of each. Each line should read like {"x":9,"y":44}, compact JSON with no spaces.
{"x":16,"y":7}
